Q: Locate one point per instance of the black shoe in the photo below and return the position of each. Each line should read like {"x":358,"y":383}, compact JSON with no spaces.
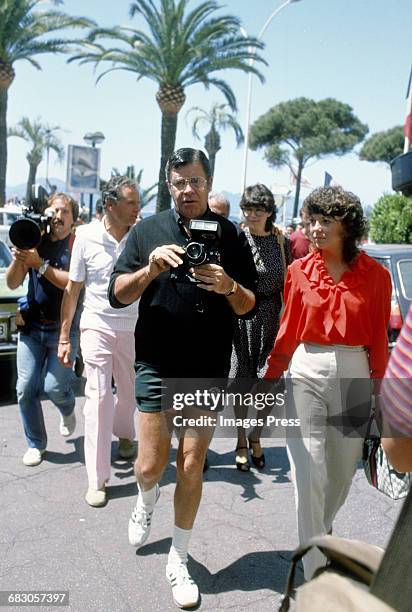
{"x":258,"y":462}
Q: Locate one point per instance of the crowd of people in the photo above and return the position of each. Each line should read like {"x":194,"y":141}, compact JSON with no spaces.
{"x":305,"y":301}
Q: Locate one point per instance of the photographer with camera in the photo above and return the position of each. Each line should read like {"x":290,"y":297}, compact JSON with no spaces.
{"x":38,"y":367}
{"x":184,"y":330}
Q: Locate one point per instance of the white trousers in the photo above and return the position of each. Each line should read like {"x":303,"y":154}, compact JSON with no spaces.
{"x":106,"y":354}
{"x":323,"y":383}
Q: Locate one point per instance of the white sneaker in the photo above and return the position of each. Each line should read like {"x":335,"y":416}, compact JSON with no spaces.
{"x":184,"y":589}
{"x":33,"y":456}
{"x":96,"y":497}
{"x":140,"y":521}
{"x":67,"y":424}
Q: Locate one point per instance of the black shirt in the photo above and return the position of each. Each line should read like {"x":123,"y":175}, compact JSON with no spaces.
{"x":44,"y":299}
{"x":183,"y":330}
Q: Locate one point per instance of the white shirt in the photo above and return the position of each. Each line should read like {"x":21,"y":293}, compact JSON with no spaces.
{"x":94,"y":255}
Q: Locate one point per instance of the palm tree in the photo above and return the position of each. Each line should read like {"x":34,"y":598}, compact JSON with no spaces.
{"x":42,"y":139}
{"x":217,"y":120}
{"x":24,"y":34}
{"x":183,"y":47}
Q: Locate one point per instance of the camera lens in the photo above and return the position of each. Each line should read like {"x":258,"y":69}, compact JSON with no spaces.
{"x":25,"y":233}
{"x":195,"y":253}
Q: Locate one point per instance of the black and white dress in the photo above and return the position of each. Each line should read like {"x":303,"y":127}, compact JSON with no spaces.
{"x":254,"y":338}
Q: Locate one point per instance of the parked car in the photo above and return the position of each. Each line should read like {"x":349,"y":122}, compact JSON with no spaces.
{"x":397,"y":258}
{"x":8,"y":331}
{"x":8,"y":215}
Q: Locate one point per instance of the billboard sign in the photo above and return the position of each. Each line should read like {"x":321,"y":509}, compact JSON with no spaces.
{"x":83,"y":169}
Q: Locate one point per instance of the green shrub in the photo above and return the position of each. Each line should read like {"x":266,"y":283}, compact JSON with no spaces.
{"x":391,"y":220}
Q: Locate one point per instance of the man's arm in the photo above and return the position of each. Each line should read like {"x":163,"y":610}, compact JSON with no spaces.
{"x":214,"y":278}
{"x":16,"y":273}
{"x":23,"y":260}
{"x":58,"y":278}
{"x":128,"y":287}
{"x":395,"y":403}
{"x":68,"y":308}
{"x":242,"y":301}
{"x":398,"y":450}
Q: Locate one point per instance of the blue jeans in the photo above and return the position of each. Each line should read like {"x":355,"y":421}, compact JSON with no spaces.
{"x":38,"y":370}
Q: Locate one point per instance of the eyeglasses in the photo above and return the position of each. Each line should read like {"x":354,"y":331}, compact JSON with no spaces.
{"x":196,"y":182}
{"x":258,"y":212}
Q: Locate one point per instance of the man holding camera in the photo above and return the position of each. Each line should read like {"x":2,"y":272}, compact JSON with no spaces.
{"x":184,"y":331}
{"x":107,"y":335}
{"x":38,"y":367}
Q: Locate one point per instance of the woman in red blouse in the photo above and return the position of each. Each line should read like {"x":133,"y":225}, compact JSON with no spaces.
{"x":333,"y":338}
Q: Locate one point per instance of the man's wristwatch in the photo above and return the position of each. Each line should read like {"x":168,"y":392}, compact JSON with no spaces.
{"x":43,"y":267}
{"x":233,"y":289}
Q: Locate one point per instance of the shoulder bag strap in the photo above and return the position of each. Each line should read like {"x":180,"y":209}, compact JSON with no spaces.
{"x":281,"y":240}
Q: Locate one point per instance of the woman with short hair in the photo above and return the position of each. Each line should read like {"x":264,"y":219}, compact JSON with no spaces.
{"x":333,"y":337}
{"x":254,"y":338}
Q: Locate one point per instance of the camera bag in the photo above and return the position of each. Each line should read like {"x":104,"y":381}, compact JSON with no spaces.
{"x":358,"y":576}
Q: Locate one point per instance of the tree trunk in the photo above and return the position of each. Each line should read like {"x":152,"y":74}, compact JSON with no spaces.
{"x":3,"y":143}
{"x":30,"y":182}
{"x":297,"y":192}
{"x":212,"y":161}
{"x":168,"y":139}
{"x":212,"y":146}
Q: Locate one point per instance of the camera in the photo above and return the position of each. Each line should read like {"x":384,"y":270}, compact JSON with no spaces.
{"x":201,"y":249}
{"x":28,"y":230}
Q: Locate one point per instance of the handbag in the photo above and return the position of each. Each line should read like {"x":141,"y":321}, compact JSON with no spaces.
{"x":378,"y":470}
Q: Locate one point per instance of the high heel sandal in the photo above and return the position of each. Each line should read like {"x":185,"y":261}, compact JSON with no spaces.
{"x":258,"y":462}
{"x":242,"y":466}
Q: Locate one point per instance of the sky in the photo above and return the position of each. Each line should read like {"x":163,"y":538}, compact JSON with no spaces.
{"x":357,"y":51}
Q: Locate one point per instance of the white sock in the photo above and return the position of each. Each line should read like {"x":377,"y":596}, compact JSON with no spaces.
{"x":147,"y":498}
{"x":180,"y":544}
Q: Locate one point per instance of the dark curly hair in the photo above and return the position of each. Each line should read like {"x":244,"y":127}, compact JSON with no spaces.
{"x":344,"y":206}
{"x":259,"y":196}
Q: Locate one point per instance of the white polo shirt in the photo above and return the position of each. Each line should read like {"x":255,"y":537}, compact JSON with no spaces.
{"x":94,"y":255}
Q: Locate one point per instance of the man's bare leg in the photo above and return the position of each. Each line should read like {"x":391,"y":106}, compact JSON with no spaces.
{"x":154,"y":449}
{"x":152,"y":458}
{"x":190,"y":460}
{"x":189,"y":480}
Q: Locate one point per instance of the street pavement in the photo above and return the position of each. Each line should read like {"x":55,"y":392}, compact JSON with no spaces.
{"x":50,"y":539}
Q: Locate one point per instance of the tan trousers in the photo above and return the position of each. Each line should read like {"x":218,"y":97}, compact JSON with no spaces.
{"x":323,"y":383}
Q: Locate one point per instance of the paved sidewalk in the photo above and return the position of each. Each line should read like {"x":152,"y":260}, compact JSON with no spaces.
{"x":50,"y":539}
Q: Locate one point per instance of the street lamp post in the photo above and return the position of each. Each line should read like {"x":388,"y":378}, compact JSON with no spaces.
{"x":249,"y":89}
{"x":93,"y":139}
{"x":48,"y":134}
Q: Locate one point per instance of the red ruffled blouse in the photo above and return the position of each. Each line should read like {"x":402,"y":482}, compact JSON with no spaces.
{"x":354,"y":312}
